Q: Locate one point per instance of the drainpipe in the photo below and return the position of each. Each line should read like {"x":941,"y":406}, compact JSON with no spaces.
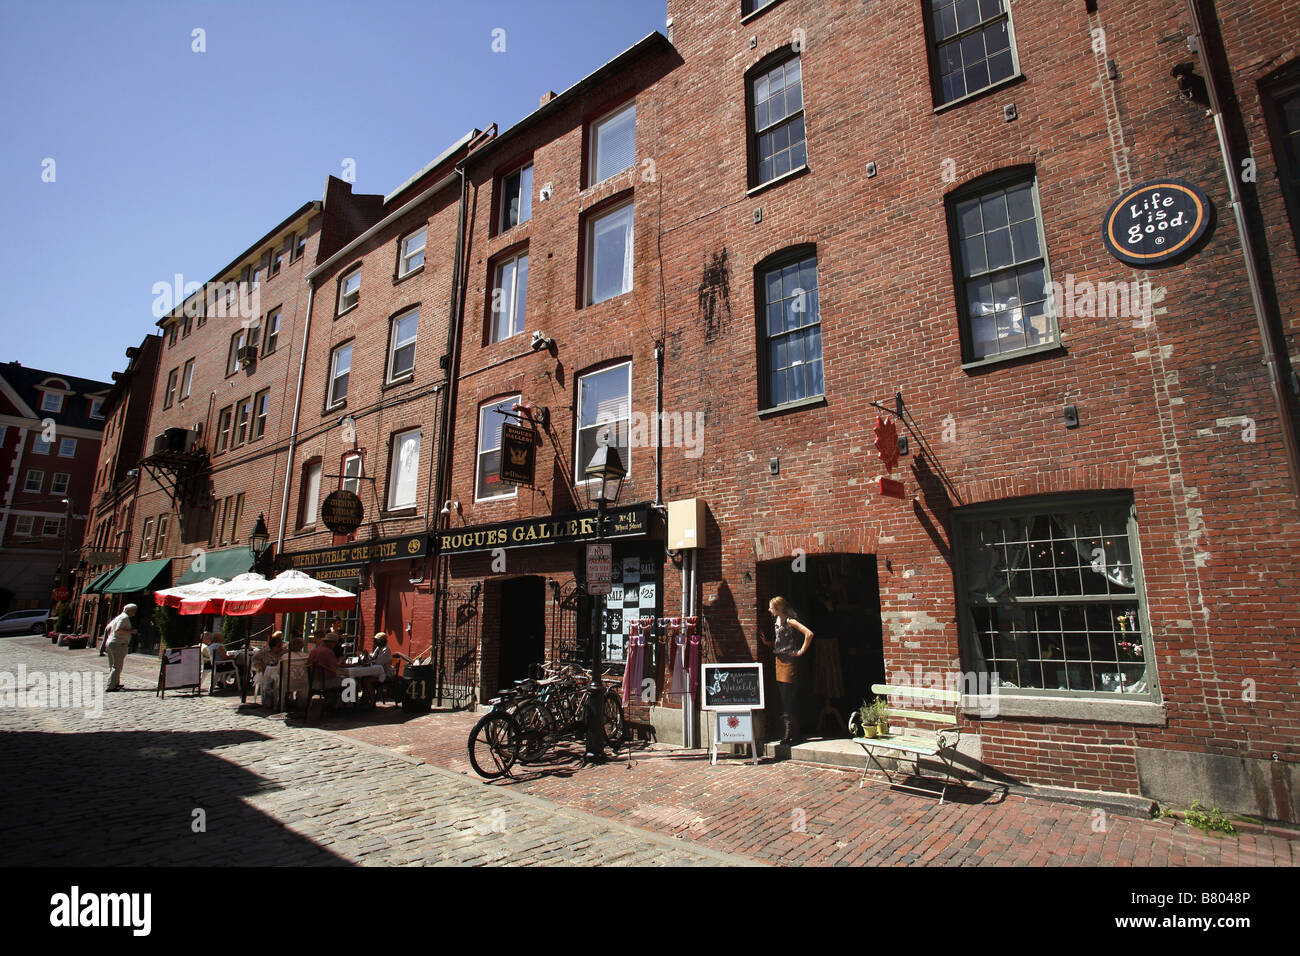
{"x":1248,"y":253}
{"x":659,"y":424}
{"x":293,"y":432}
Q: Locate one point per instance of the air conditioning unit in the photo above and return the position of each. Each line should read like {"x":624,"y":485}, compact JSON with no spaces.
{"x":247,"y":355}
{"x":174,"y":440}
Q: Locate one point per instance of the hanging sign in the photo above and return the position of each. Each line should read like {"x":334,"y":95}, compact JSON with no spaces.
{"x":342,"y":511}
{"x":518,"y":455}
{"x":886,"y":441}
{"x":360,"y":552}
{"x":1157,"y":222}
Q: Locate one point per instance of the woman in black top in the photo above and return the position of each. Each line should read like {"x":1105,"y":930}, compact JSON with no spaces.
{"x":791,"y":641}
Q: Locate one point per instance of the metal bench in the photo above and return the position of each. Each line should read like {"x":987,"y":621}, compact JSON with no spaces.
{"x":940,"y":742}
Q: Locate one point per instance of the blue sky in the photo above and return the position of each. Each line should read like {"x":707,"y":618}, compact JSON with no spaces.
{"x":167,"y":160}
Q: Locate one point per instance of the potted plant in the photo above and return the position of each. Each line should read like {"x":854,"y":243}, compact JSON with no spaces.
{"x":880,"y":714}
{"x":868,"y":719}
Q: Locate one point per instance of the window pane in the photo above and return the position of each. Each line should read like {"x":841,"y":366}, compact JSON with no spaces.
{"x":614,"y":144}
{"x":404,"y":470}
{"x":526,"y":194}
{"x":611,"y":255}
{"x":521,"y":296}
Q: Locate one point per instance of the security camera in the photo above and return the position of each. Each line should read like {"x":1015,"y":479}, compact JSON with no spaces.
{"x":540,"y":342}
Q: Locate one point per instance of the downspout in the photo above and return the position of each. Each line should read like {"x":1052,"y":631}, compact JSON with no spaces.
{"x":1248,"y":254}
{"x":293,"y":432}
{"x":659,"y":424}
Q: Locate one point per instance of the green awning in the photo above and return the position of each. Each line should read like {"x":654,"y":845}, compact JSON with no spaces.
{"x":218,"y":564}
{"x":137,"y":577}
{"x":97,"y":586}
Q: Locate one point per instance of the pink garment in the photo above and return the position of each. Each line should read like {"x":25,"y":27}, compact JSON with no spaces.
{"x":677,"y":681}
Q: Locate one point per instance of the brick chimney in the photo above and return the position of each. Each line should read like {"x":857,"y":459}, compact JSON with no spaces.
{"x":547,"y":97}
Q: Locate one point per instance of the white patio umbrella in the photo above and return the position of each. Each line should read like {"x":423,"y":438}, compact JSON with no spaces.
{"x":200,"y":597}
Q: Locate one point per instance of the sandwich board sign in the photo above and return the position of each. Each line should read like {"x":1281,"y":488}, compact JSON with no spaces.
{"x":733,"y":692}
{"x":180,"y":668}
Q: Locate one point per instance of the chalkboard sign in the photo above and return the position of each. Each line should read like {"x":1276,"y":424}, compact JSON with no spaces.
{"x":733,"y":687}
{"x":179,"y":668}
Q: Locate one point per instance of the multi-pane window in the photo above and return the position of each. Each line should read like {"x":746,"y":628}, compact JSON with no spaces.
{"x":401,"y":345}
{"x":340,"y":367}
{"x":67,"y":448}
{"x":272,"y":339}
{"x":243,"y":414}
{"x":237,"y":342}
{"x":790,"y":323}
{"x":350,"y":477}
{"x":96,"y":408}
{"x":604,"y":413}
{"x":490,"y":420}
{"x":146,"y":538}
{"x":169,"y":395}
{"x":299,"y":247}
{"x":51,"y":402}
{"x":40,"y":446}
{"x":277,"y":262}
{"x":261,"y":409}
{"x":1281,"y":96}
{"x":411,"y":256}
{"x":751,"y":6}
{"x":59,"y":483}
{"x":516,"y":197}
{"x":612,"y":144}
{"x":257,"y":275}
{"x":187,"y":379}
{"x":224,"y":420}
{"x":51,"y":527}
{"x":972,"y":46}
{"x":1051,"y":598}
{"x":349,"y":290}
{"x":160,"y":545}
{"x":509,"y":298}
{"x":34,"y":481}
{"x":234,"y":511}
{"x":609,"y":254}
{"x":403,"y":470}
{"x":1003,"y":269}
{"x":172,"y":331}
{"x":309,"y":493}
{"x":23,"y":525}
{"x":779,"y":143}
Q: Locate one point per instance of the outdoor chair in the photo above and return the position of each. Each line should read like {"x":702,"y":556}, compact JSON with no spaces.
{"x":225,"y":666}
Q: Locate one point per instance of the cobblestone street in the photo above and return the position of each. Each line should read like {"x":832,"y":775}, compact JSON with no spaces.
{"x":124,"y":788}
{"x":384,"y":788}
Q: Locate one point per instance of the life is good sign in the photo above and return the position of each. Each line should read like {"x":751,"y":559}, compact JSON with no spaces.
{"x":1157,"y":222}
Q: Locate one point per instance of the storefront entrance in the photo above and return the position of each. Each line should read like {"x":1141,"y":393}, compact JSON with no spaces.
{"x":523,"y":627}
{"x":838,"y":598}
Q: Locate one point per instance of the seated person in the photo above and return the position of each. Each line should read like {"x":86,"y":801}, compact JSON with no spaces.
{"x":323,"y":659}
{"x":383,"y":656}
{"x":265,"y":669}
{"x":212,"y":649}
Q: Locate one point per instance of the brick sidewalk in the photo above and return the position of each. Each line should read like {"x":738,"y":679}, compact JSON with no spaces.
{"x":799,"y":814}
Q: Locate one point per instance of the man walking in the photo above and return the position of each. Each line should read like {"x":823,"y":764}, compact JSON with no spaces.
{"x":120,"y":631}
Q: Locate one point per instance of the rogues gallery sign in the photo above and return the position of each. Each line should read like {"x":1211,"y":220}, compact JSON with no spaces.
{"x":626,"y":522}
{"x":361,"y":552}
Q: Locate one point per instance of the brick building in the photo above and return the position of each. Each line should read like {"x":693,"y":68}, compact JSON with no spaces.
{"x":1078,"y":529}
{"x":50,"y":430}
{"x":373,"y":387}
{"x":126,"y":415}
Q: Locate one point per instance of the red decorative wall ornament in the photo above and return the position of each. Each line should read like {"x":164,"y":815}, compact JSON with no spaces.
{"x":886,"y":433}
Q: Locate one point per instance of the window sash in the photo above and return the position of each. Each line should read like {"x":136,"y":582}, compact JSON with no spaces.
{"x":610,"y":252}
{"x":963,"y":52}
{"x":40,"y":446}
{"x":792,"y":349}
{"x":187,"y":379}
{"x":272,"y":332}
{"x":23,"y":525}
{"x":350,"y":480}
{"x":613,"y":144}
{"x":51,"y":402}
{"x":224,"y":419}
{"x":59,"y":483}
{"x":68,"y":448}
{"x":488,"y":482}
{"x":604,"y":403}
{"x":39,"y":483}
{"x":401,"y":350}
{"x":146,"y":538}
{"x":340,"y":369}
{"x":170,"y":395}
{"x":410,"y":251}
{"x":51,"y":527}
{"x":243,"y":411}
{"x":403,"y":470}
{"x":511,"y":293}
{"x":517,"y":197}
{"x":350,"y":290}
{"x":310,"y":502}
{"x":160,"y":544}
{"x":261,"y":408}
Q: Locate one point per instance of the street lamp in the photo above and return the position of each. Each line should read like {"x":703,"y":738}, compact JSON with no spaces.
{"x":605,"y":472}
{"x":259,"y":541}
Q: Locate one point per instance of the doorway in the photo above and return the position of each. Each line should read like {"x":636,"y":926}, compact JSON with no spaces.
{"x":838,"y":598}
{"x":523,"y":628}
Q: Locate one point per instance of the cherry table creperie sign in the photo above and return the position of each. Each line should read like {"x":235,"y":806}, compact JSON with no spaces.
{"x":733,"y":692}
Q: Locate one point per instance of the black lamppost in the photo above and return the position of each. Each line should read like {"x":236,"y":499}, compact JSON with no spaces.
{"x":259,"y":542}
{"x":605,"y":472}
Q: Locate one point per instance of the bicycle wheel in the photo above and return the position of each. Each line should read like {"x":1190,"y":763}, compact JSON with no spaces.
{"x":535,"y":730}
{"x":494,"y":744}
{"x":613,"y":720}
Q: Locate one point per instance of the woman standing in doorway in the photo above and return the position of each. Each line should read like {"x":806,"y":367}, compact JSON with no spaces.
{"x":791,"y":641}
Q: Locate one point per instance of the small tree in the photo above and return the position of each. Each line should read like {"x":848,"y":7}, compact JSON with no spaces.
{"x":234,"y":630}
{"x":170,"y":629}
{"x":62,"y":617}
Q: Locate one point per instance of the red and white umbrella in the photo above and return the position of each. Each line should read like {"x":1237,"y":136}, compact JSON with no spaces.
{"x":287,"y":593}
{"x":201,"y":597}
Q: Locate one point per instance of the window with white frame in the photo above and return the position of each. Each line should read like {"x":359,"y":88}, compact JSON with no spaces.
{"x":411,"y":256}
{"x":272,"y":340}
{"x":51,"y":527}
{"x":51,"y":402}
{"x":350,"y":477}
{"x":340,"y":367}
{"x":516,"y":197}
{"x":611,"y":147}
{"x":972,"y":48}
{"x":67,"y":448}
{"x":1050,"y":597}
{"x":609,"y":254}
{"x":261,"y":409}
{"x":243,"y":416}
{"x":299,"y":247}
{"x":34,"y":481}
{"x":237,"y":341}
{"x":160,"y":544}
{"x":490,"y":420}
{"x":59,"y":483}
{"x":224,"y":420}
{"x":23,"y":525}
{"x":509,"y":298}
{"x":169,"y":395}
{"x":349,"y":290}
{"x":309,"y":493}
{"x":401,"y":345}
{"x":604,"y":413}
{"x":40,"y":446}
{"x":96,"y":408}
{"x":187,"y":379}
{"x":146,"y":538}
{"x":403,"y":470}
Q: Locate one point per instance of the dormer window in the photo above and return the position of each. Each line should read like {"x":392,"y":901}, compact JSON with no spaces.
{"x":51,"y":402}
